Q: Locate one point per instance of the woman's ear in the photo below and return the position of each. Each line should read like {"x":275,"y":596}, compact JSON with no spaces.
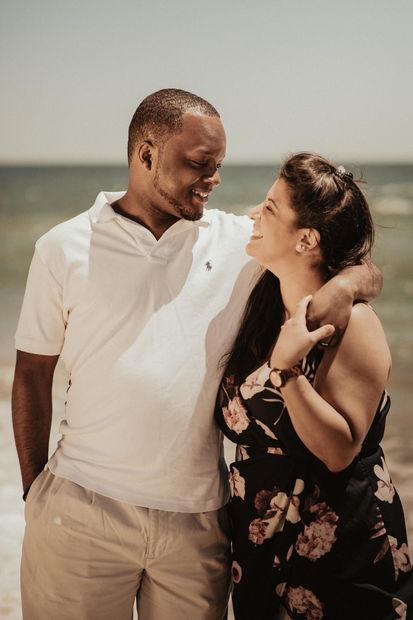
{"x":308,"y":239}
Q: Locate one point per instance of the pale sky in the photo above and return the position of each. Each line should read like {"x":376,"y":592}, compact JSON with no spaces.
{"x":326,"y":75}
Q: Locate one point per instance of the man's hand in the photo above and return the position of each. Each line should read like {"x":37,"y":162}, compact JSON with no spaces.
{"x":332,"y":304}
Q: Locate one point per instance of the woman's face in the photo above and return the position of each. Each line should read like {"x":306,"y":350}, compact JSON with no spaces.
{"x":275,"y":234}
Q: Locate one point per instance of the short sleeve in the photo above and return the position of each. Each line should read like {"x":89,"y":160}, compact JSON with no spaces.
{"x":41,"y":325}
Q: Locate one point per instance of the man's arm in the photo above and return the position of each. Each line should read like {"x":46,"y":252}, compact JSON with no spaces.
{"x":32,"y":412}
{"x":332,"y":304}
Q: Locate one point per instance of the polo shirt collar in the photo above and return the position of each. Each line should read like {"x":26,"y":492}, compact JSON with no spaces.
{"x":102,"y":212}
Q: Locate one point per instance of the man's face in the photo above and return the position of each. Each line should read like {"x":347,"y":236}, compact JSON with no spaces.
{"x":186,"y":170}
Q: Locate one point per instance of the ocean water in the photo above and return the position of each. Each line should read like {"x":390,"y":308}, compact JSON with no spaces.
{"x":33,"y":199}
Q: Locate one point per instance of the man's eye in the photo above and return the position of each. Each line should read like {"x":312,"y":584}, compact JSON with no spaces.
{"x":203,"y":164}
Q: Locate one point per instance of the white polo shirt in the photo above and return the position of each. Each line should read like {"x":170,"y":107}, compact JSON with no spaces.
{"x":141,"y":326}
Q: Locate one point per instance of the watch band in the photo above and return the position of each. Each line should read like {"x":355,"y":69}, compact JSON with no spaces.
{"x":279,"y":377}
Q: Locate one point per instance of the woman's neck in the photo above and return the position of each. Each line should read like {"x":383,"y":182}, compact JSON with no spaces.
{"x":297,"y":285}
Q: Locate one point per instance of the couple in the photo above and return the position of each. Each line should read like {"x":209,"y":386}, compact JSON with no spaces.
{"x":153,"y":306}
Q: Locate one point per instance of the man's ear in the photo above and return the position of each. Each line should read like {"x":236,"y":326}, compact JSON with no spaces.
{"x":145,"y":154}
{"x":309,"y":238}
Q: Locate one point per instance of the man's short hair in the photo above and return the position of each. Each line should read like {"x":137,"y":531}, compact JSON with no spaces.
{"x":160,"y":115}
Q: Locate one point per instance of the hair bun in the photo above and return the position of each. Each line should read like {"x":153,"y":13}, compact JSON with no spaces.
{"x":342,"y":173}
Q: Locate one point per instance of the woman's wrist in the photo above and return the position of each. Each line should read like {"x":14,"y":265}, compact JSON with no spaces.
{"x":280,"y":377}
{"x":280,"y":364}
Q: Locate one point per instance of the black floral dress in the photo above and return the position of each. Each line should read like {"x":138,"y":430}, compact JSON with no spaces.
{"x":309,"y":543}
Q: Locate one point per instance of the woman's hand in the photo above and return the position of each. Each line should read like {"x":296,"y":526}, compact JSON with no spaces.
{"x":295,"y":341}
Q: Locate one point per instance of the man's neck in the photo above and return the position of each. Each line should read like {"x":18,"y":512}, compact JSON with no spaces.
{"x":155,"y":221}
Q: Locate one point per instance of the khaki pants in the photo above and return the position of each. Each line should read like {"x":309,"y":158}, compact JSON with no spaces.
{"x":87,"y":557}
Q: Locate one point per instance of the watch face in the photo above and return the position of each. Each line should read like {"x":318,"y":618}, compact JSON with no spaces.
{"x":275,"y":377}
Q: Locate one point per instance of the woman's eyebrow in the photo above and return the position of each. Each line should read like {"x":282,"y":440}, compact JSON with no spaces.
{"x":273,"y":201}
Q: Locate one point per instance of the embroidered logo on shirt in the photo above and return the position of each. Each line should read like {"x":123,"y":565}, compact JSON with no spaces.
{"x":208,"y":265}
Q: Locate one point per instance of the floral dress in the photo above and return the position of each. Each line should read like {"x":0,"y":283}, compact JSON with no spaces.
{"x":309,"y":543}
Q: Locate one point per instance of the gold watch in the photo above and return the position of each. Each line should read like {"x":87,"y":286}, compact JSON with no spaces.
{"x":280,"y":377}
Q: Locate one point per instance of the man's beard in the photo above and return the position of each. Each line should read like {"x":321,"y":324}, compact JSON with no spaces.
{"x":182,"y":211}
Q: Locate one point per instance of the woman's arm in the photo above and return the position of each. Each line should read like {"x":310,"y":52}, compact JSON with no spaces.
{"x":333,"y":417}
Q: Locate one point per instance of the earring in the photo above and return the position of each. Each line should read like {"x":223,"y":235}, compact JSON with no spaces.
{"x":299,"y":247}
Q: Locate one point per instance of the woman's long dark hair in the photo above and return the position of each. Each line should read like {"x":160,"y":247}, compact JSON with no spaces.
{"x":261,"y":322}
{"x":329,"y":200}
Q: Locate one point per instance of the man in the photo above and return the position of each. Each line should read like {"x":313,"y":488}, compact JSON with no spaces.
{"x":141,"y":297}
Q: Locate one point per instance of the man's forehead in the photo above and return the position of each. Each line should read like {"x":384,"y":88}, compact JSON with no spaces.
{"x":200,"y":132}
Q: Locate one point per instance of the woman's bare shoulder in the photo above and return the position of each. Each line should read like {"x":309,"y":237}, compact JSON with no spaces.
{"x":365,"y":326}
{"x":364,"y":346}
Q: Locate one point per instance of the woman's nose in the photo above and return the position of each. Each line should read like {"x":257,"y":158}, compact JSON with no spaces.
{"x":255,"y":212}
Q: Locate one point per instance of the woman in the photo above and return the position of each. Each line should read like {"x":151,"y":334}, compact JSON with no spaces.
{"x":318,"y":529}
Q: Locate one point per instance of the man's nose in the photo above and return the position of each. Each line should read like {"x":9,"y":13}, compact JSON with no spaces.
{"x":212,"y":178}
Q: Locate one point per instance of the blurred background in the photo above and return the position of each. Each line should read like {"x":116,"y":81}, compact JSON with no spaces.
{"x":325,"y":76}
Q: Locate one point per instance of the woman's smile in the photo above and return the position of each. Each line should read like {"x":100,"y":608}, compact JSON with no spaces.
{"x":256,"y":234}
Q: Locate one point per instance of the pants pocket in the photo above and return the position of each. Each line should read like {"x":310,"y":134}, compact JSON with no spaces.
{"x":34,"y":488}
